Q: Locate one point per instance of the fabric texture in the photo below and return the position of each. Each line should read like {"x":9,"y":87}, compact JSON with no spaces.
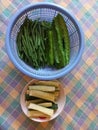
{"x":81,"y":84}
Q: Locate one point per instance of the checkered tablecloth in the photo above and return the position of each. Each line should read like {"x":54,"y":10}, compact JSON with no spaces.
{"x":81,"y":84}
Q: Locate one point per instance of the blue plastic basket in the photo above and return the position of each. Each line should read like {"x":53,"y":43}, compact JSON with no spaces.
{"x":45,"y":11}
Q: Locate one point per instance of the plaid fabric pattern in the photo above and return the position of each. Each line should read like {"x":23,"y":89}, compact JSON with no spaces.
{"x":81,"y":84}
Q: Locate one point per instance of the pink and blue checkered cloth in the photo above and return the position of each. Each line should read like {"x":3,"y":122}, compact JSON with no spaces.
{"x":81,"y":84}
